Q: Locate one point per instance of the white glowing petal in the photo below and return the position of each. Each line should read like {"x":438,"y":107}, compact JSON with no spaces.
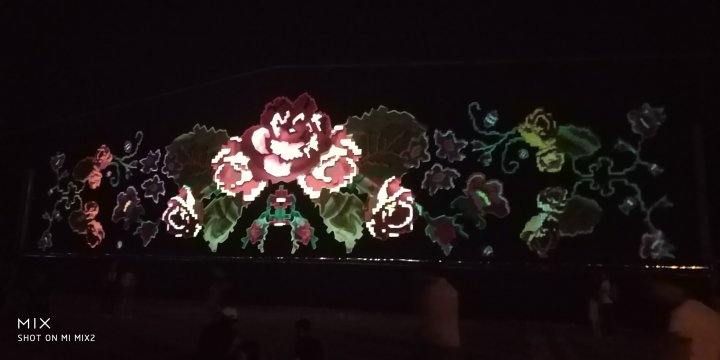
{"x":170,"y":213}
{"x":277,"y":120}
{"x":382,"y":197}
{"x":245,"y":176}
{"x":327,"y":160}
{"x":370,"y":225}
{"x":299,"y":117}
{"x":287,"y":151}
{"x":220,"y":155}
{"x":383,"y":200}
{"x":276,"y":168}
{"x":316,"y":120}
{"x":311,"y":145}
{"x":190,"y":204}
{"x":258,"y":138}
{"x":408,"y":220}
{"x":253,"y":193}
{"x":225,"y":151}
{"x":311,"y":193}
{"x":350,"y":144}
{"x":219,"y":182}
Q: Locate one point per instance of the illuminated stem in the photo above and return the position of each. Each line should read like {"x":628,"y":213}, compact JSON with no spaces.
{"x":114,"y":181}
{"x":648,"y":212}
{"x":514,"y":164}
{"x":637,"y":161}
{"x":502,"y":138}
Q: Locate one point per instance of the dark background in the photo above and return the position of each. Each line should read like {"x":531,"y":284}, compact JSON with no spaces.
{"x":67,"y":65}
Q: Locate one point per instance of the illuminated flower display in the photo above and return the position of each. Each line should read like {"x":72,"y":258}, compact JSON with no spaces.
{"x":559,"y":216}
{"x":183,"y":216}
{"x":57,"y":162}
{"x":417,"y":151}
{"x":539,"y":129}
{"x":280,"y":211}
{"x":95,"y":233}
{"x":153,"y":188}
{"x":149,"y":164}
{"x":336,"y":168}
{"x":553,"y":199}
{"x":147,"y":230}
{"x":541,"y":234}
{"x":89,"y":170}
{"x":90,"y":210}
{"x":555,"y":143}
{"x":232,"y":174}
{"x":385,"y":136}
{"x":128,"y":208}
{"x":291,"y":138}
{"x":256,"y":233}
{"x":357,"y":177}
{"x":439,"y":178}
{"x":448,"y":146}
{"x":94,"y":179}
{"x":646,"y":120}
{"x":549,"y":159}
{"x":187,"y":159}
{"x":172,"y":166}
{"x":487,"y":195}
{"x":294,"y":141}
{"x":444,"y":230}
{"x":394,"y":212}
{"x":83,"y":222}
{"x":653,"y":245}
{"x":103,"y":157}
{"x":302,"y":233}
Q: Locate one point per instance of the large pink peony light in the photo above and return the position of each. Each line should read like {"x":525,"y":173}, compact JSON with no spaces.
{"x":291,"y":138}
{"x":294,"y":141}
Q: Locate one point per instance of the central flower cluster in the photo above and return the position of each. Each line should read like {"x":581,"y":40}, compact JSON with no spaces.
{"x":294,"y":141}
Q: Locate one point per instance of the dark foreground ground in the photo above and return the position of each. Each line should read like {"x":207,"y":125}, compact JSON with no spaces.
{"x":161,"y":329}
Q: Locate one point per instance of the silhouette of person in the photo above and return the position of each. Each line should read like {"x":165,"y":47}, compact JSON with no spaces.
{"x":219,"y":338}
{"x":307,"y":347}
{"x":109,"y":288}
{"x":602,"y":306}
{"x":439,"y":317}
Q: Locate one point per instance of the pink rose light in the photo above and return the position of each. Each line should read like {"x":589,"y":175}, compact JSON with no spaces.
{"x":95,"y":234}
{"x":303,"y":233}
{"x":232,"y":174}
{"x":103,"y":157}
{"x":337,"y":167}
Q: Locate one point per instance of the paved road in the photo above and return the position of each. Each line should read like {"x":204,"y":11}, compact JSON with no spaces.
{"x":169,"y":330}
